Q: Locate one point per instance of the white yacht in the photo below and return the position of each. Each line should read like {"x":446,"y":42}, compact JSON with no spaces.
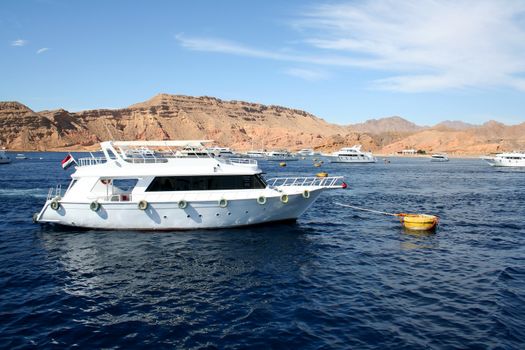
{"x":223,"y":152}
{"x":176,"y":192}
{"x":4,"y":159}
{"x":280,"y":156}
{"x":256,"y":154}
{"x":306,"y":152}
{"x":511,"y":159}
{"x":439,"y":157}
{"x":21,"y":156}
{"x":351,"y":155}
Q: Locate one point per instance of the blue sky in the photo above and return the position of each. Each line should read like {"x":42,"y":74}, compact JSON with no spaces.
{"x":344,"y":61}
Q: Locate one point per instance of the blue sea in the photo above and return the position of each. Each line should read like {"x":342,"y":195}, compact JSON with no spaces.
{"x":336,"y":279}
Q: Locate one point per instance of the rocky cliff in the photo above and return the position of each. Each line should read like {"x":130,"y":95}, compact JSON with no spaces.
{"x":240,"y":125}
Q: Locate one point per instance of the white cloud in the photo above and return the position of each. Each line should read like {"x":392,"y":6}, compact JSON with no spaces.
{"x":42,"y":50}
{"x":19,"y":42}
{"x":417,"y":45}
{"x":230,"y":47}
{"x":307,"y":74}
{"x":434,"y":45}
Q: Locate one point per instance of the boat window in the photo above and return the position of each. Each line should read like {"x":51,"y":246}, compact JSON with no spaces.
{"x":126,"y":185}
{"x":206,"y":183}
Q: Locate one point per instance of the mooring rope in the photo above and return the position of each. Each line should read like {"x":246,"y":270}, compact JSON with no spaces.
{"x":369,"y":210}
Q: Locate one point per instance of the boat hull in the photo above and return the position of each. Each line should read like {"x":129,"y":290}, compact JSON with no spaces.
{"x":168,"y":215}
{"x":500,"y":163}
{"x":343,"y":159}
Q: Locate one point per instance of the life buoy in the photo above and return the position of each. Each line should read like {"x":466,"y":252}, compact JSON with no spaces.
{"x":105,"y":181}
{"x":223,"y":203}
{"x":143,"y":205}
{"x":306,"y":194}
{"x":182,"y":204}
{"x":95,"y":206}
{"x":284,"y":198}
{"x":54,"y":204}
{"x":261,"y":200}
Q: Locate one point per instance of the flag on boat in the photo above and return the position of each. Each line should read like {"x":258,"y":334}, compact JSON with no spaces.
{"x":68,"y":161}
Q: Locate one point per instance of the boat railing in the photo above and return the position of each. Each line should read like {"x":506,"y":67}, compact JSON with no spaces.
{"x":91,"y":161}
{"x":332,"y":181}
{"x":144,"y":160}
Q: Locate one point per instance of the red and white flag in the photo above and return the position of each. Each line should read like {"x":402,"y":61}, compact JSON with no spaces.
{"x":68,"y":161}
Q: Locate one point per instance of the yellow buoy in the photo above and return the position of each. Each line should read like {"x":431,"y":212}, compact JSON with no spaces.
{"x":282,"y":164}
{"x":322,"y":174}
{"x":418,"y":222}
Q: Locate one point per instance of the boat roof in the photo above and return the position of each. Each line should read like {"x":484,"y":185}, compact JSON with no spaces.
{"x":165,"y":143}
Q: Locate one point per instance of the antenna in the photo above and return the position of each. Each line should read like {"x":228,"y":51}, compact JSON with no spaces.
{"x":109,"y":132}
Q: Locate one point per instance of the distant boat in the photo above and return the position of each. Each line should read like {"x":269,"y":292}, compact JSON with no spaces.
{"x":351,"y":155}
{"x":256,"y":154}
{"x":280,"y":156}
{"x":439,"y":157}
{"x":223,"y":152}
{"x":4,"y":159}
{"x":509,"y":159}
{"x":21,"y":156}
{"x":306,"y":152}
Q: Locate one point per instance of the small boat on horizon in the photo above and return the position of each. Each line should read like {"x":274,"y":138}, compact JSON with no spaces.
{"x":256,"y":154}
{"x":439,"y":157}
{"x":280,"y":156}
{"x":4,"y":159}
{"x":21,"y":156}
{"x":307,"y":152}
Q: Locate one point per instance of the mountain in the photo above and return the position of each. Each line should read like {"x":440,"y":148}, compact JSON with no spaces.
{"x":390,"y":124}
{"x":242,"y":126}
{"x":453,"y":125}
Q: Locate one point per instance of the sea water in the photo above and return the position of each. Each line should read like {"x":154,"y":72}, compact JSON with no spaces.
{"x":338,"y":278}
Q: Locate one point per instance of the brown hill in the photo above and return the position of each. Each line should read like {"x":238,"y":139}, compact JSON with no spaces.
{"x":240,"y":125}
{"x":491,"y":137}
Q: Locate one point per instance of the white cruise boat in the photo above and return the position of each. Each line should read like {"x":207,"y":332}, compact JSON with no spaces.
{"x":175,"y":192}
{"x":280,"y":156}
{"x":439,"y":157}
{"x":351,"y":155}
{"x":4,"y":159}
{"x":510,"y":159}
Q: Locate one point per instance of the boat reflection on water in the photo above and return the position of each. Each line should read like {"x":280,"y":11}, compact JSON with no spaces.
{"x":149,"y":269}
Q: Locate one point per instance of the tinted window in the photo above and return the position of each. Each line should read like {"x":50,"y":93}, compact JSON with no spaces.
{"x":205,"y":183}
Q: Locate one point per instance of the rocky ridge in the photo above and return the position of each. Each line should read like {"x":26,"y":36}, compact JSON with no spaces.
{"x":240,"y":125}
